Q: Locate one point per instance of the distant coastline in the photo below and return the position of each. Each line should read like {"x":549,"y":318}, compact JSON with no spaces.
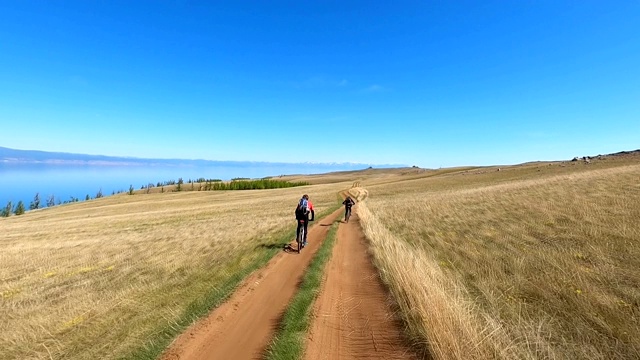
{"x":14,"y":156}
{"x":71,"y":177}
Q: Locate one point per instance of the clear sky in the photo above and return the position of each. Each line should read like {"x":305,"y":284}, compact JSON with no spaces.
{"x":427,"y":83}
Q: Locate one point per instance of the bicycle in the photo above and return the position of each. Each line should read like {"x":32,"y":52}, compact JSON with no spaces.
{"x":300,"y":236}
{"x":347,"y":214}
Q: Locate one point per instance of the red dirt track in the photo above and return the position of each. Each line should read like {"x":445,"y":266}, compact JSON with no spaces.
{"x":353,"y":319}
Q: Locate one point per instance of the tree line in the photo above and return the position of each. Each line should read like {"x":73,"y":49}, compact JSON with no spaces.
{"x":255,"y":184}
{"x":204,"y":184}
{"x":36,"y":203}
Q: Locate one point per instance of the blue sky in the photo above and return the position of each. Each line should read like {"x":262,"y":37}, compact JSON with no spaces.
{"x":427,"y":83}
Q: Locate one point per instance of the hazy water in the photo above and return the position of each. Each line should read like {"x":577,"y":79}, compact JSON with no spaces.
{"x":23,"y":181}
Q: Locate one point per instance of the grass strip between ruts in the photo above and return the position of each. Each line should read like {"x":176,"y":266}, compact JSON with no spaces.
{"x":289,"y":340}
{"x":153,"y":348}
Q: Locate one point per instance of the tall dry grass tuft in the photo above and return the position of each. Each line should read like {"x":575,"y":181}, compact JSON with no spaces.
{"x":438,"y":317}
{"x":514,"y":264}
{"x":103,"y":278}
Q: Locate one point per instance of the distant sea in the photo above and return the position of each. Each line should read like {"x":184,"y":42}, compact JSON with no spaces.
{"x":21,"y":182}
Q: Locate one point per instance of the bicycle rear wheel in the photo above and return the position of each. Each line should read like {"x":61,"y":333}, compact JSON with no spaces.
{"x":300,"y":238}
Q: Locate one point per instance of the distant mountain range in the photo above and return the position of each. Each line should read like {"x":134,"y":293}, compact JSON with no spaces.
{"x":13,"y":156}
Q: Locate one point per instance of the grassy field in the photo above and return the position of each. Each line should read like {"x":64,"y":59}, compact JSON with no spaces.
{"x":539,"y":260}
{"x":535,"y":261}
{"x":113,"y":277}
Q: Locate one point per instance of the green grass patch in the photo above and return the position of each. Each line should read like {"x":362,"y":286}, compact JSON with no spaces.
{"x":289,"y":341}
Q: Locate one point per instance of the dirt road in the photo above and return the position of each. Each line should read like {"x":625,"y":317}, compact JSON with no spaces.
{"x":242,"y":327}
{"x":353,"y":319}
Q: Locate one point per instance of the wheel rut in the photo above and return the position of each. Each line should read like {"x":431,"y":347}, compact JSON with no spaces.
{"x":353,"y":315}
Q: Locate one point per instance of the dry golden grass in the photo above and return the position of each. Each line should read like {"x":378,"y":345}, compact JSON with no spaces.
{"x":539,"y":260}
{"x":533,"y":261}
{"x":95,"y":280}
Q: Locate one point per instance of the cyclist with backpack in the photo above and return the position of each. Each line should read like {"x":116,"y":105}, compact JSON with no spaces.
{"x":302,"y":215}
{"x":348,"y":203}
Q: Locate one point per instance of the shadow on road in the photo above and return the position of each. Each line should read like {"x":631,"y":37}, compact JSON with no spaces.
{"x":289,"y":249}
{"x":272,"y":246}
{"x":285,"y":247}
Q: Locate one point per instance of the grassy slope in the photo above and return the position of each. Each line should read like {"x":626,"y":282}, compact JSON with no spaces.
{"x":534,"y":261}
{"x":109,"y":277}
{"x":537,"y":260}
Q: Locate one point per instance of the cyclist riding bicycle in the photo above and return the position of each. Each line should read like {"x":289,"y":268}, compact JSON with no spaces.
{"x":302,"y":215}
{"x":348,"y":203}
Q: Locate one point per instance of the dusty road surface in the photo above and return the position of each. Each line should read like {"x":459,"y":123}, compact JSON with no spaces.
{"x":243,"y":326}
{"x":352,"y":316}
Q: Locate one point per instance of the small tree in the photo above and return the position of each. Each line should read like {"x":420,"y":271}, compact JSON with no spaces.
{"x":7,"y":209}
{"x":130,"y":189}
{"x":180,"y":182}
{"x":99,"y":194}
{"x":19,"y":208}
{"x":51,"y":201}
{"x":87,"y":198}
{"x":35,"y":204}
